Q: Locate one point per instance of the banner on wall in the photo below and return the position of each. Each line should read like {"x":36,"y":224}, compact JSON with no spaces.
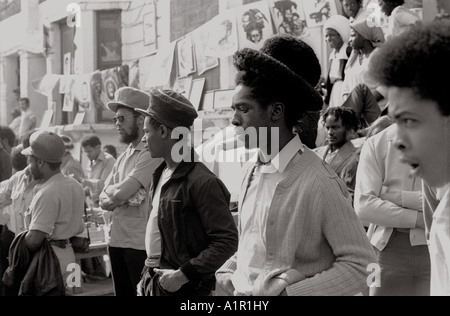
{"x":133,"y":75}
{"x":46,"y":84}
{"x":254,"y":25}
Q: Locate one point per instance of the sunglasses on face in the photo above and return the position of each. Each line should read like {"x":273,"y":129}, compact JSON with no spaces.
{"x":121,"y":118}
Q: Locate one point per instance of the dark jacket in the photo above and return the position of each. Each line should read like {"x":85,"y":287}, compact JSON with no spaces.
{"x":29,"y":274}
{"x":198,"y":232}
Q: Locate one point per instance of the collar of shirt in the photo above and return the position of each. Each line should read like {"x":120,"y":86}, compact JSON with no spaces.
{"x":391,"y":133}
{"x":101,"y":157}
{"x":131,"y":149}
{"x":341,"y":54}
{"x":284,"y":157}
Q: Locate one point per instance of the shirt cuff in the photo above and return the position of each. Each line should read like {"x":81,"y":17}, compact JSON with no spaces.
{"x":412,"y":201}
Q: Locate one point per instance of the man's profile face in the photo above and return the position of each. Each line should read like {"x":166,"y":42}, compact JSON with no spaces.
{"x":34,"y":168}
{"x":151,"y":139}
{"x":423,"y":135}
{"x":249,"y":115}
{"x":336,"y":132}
{"x":128,"y":129}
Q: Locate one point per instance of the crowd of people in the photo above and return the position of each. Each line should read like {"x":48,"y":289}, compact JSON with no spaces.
{"x":372,"y":191}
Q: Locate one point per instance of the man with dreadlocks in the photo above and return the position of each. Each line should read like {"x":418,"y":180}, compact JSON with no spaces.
{"x":299,"y":232}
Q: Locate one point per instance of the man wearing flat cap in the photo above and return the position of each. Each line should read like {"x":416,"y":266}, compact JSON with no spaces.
{"x":57,"y":208}
{"x":125,"y":194}
{"x":299,"y":234}
{"x":191,"y":231}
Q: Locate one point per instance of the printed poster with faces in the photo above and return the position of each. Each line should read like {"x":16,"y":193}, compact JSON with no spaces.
{"x":289,"y":17}
{"x":254,"y":25}
{"x":83,"y":92}
{"x":317,"y":12}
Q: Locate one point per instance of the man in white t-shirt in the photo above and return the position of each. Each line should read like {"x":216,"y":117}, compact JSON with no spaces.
{"x":57,"y":208}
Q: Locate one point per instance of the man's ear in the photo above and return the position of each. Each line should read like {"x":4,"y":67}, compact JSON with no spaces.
{"x":164,"y":131}
{"x":277,"y":111}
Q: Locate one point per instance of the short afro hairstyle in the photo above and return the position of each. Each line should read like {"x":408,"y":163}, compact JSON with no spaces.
{"x":414,"y":60}
{"x":348,"y":116}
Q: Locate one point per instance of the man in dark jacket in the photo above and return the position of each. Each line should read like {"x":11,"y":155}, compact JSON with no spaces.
{"x":191,"y":231}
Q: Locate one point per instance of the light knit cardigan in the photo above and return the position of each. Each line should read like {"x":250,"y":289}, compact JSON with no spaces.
{"x":312,"y":229}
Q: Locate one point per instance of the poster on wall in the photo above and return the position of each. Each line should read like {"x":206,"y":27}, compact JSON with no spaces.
{"x":254,"y":25}
{"x":97,"y":91}
{"x":183,"y":86}
{"x":317,"y":12}
{"x":83,"y":92}
{"x":289,"y":17}
{"x":69,"y":95}
{"x":67,"y":68}
{"x":223,"y":36}
{"x":185,"y":54}
{"x":161,"y":68}
{"x":111,"y":83}
{"x":200,"y":38}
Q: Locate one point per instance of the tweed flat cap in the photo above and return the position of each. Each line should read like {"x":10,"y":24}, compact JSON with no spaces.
{"x":170,"y":109}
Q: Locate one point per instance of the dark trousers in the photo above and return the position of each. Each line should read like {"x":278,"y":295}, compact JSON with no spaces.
{"x":6,"y":239}
{"x":405,"y":270}
{"x":126,"y":268}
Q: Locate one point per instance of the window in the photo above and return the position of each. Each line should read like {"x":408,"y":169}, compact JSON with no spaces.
{"x":109,"y":39}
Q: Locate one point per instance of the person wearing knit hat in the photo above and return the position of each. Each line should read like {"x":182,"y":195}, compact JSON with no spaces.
{"x":125,"y":194}
{"x":299,"y":233}
{"x":190,"y":207}
{"x":57,"y":208}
